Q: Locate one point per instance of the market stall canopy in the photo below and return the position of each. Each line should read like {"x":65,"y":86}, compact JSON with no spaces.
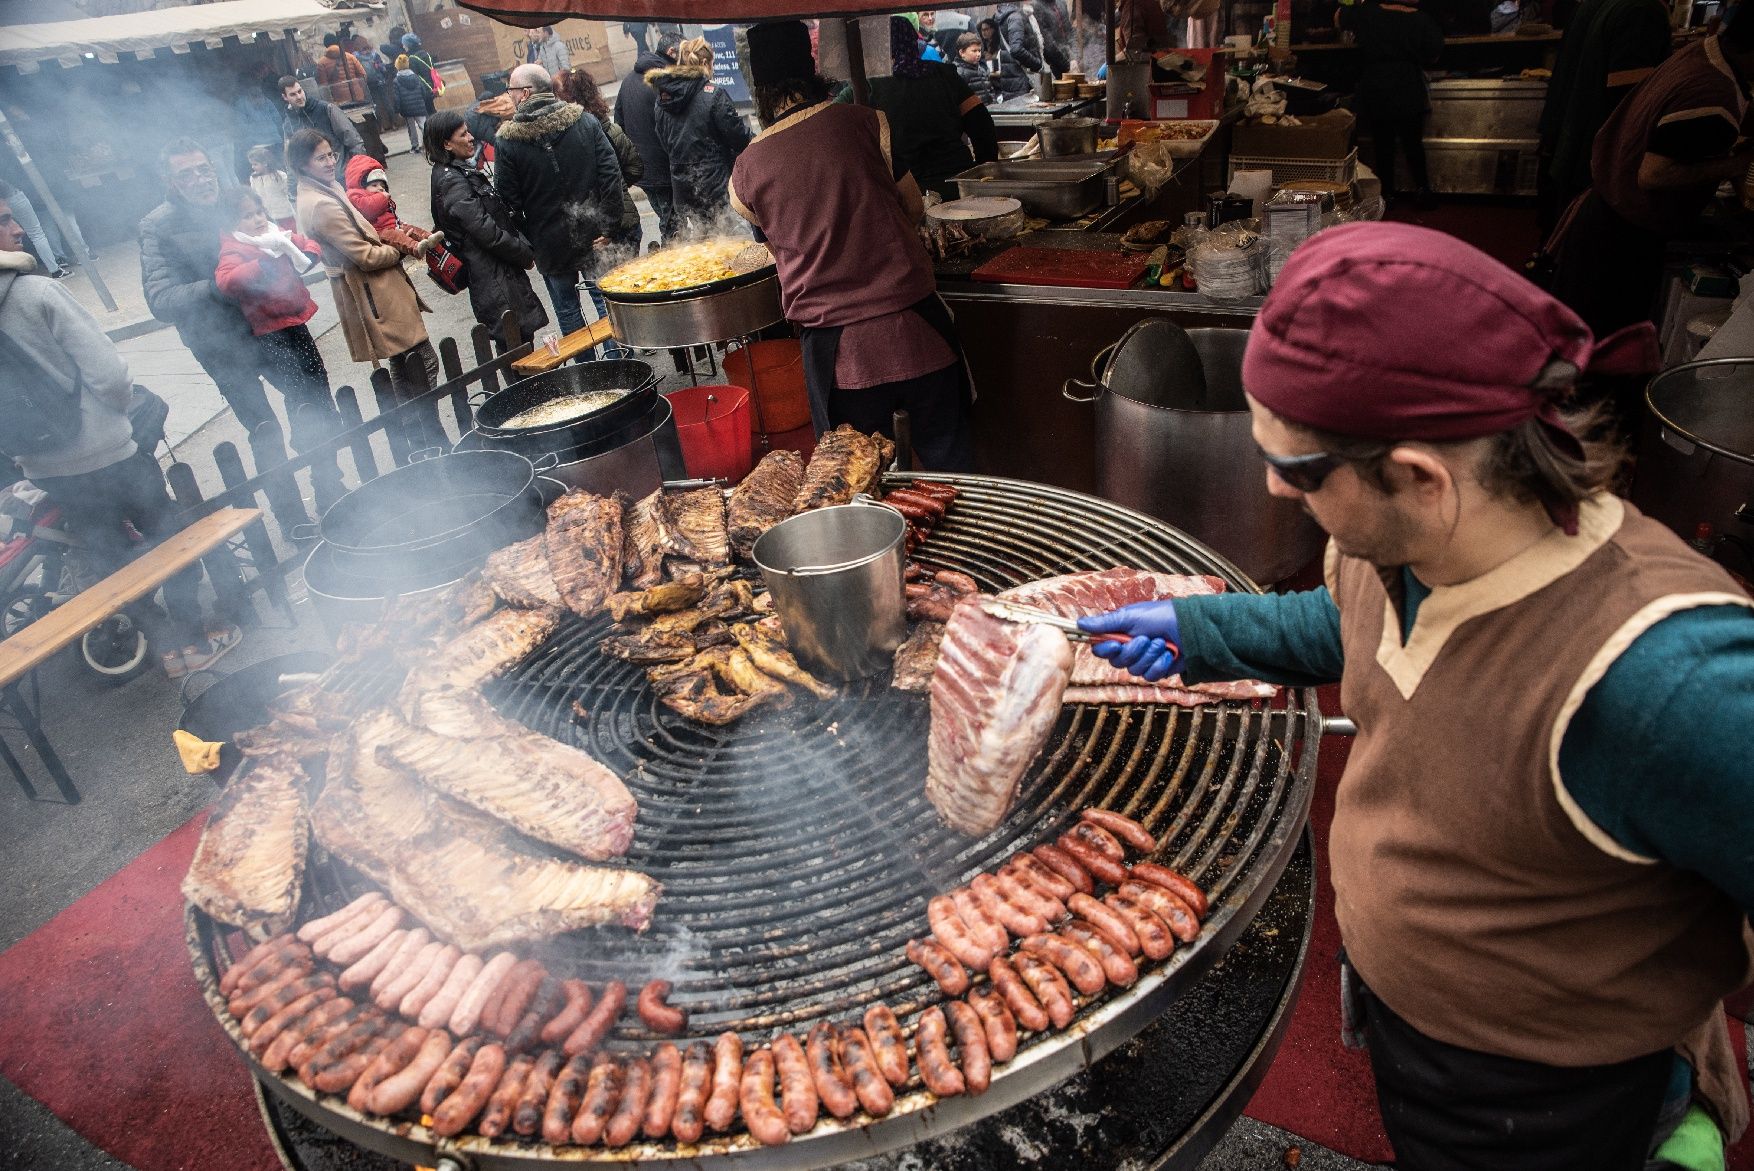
{"x":142,"y":34}
{"x":534,"y":13}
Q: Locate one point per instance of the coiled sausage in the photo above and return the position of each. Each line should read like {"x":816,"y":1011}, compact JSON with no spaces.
{"x":657,"y":1015}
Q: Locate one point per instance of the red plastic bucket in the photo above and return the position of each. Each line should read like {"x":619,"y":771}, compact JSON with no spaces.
{"x":712,"y":423}
{"x":782,"y":403}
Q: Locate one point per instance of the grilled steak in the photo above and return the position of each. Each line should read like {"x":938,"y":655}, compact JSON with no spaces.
{"x":251,"y":858}
{"x":642,"y":550}
{"x":844,"y":464}
{"x":583,"y":541}
{"x":764,"y":498}
{"x":696,"y":527}
{"x":659,"y":599}
{"x":520,"y":575}
{"x":995,"y":696}
{"x":476,"y":889}
{"x":487,"y":649}
{"x":916,"y":658}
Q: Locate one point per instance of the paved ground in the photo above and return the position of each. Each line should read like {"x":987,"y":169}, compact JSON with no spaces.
{"x":116,"y":741}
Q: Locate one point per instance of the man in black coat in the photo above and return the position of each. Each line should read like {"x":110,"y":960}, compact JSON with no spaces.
{"x":636,"y":112}
{"x":326,"y":118}
{"x":557,"y":173}
{"x":1018,"y":34}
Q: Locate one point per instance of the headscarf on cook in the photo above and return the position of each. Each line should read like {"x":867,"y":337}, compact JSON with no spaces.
{"x":1396,"y":332}
{"x":904,"y":50}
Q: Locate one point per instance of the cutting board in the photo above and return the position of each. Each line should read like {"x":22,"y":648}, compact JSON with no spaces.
{"x":1063,"y":267}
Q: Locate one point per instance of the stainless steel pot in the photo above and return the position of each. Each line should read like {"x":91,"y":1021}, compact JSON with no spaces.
{"x":1173,"y":440}
{"x":716,"y":315}
{"x":1696,"y":448}
{"x":1067,"y":136}
{"x":341,"y":599}
{"x":836,"y":579}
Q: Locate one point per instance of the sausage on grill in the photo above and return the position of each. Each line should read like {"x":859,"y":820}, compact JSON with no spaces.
{"x":1066,"y":866}
{"x":578,"y":1003}
{"x":353,"y":946}
{"x":883,"y":1032}
{"x":1018,"y":998}
{"x":317,"y":1038}
{"x":276,"y":1024}
{"x":339,"y":1045}
{"x":666,"y":1082}
{"x":498,"y":1114}
{"x":832,"y":1084}
{"x":1048,"y":986}
{"x":932,"y":1051}
{"x":760,"y":1114}
{"x":955,"y":935}
{"x":797,"y":1087}
{"x":657,"y":1015}
{"x":697,"y":1073}
{"x":366,"y":969}
{"x":436,"y":974}
{"x":1026,"y":886}
{"x":602,"y":1095}
{"x":527,"y":1115}
{"x":411,"y":974}
{"x":1100,"y":865}
{"x":548,"y":1000}
{"x":249,"y":959}
{"x":981,"y":918}
{"x":1155,"y":938}
{"x":564,"y":1099}
{"x":449,"y":1074}
{"x":521,"y":988}
{"x":317,"y":928}
{"x":1109,"y":921}
{"x":403,"y":1088}
{"x":475,"y":997}
{"x":243,"y":1003}
{"x":1000,"y":1025}
{"x":1079,"y":966}
{"x":392,"y":1060}
{"x":1100,"y":840}
{"x":1039,"y":876}
{"x":971,"y":1046}
{"x":957,"y":580}
{"x":262,"y":962}
{"x":597,"y":1023}
{"x":444,"y":1003}
{"x":1175,"y":913}
{"x":278,"y":1055}
{"x":470,"y":1098}
{"x":636,"y":1087}
{"x":1123,"y":827}
{"x":1015,"y":905}
{"x":285,"y":994}
{"x":1117,"y":967}
{"x":860,"y":1062}
{"x":411,"y":946}
{"x":1175,"y":882}
{"x":721,"y":1107}
{"x":337,"y":1074}
{"x":939,"y":964}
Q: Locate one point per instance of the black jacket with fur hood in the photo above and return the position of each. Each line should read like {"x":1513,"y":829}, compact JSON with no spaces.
{"x":702,"y":134}
{"x":557,"y":174}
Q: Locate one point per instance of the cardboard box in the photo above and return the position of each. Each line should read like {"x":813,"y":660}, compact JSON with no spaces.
{"x":484,"y":45}
{"x":1327,"y":137}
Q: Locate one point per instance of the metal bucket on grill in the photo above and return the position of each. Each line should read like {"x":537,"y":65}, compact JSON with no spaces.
{"x":1696,"y":450}
{"x":1173,"y":440}
{"x":836,"y":579}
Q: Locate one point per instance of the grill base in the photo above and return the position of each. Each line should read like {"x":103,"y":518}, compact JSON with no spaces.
{"x":1161,"y":1100}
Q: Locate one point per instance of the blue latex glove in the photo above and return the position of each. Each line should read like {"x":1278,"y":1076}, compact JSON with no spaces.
{"x":1154,"y":650}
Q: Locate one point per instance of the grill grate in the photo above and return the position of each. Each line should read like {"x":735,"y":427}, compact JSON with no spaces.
{"x":796,"y":847}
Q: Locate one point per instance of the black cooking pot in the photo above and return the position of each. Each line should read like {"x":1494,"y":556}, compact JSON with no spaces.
{"x":569,"y":436}
{"x":433,"y":514}
{"x":217,"y":707}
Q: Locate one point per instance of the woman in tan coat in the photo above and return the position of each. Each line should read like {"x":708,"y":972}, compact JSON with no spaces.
{"x":377,"y":302}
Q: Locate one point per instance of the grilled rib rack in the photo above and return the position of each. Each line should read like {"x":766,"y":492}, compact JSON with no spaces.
{"x":797,"y":850}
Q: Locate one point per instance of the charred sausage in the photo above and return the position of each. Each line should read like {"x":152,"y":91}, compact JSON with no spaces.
{"x":1025,"y":890}
{"x":495,"y":998}
{"x":354,"y":946}
{"x":459,"y":1110}
{"x":657,"y":1015}
{"x":912,"y":510}
{"x":413,"y":942}
{"x":443,"y":1004}
{"x":285,"y":994}
{"x":276,"y":1024}
{"x":1175,"y":882}
{"x":597,"y":1023}
{"x":1066,"y":866}
{"x":340,"y":1074}
{"x":1100,"y":865}
{"x":564,"y":1099}
{"x":527,"y":1115}
{"x":721,"y":1107}
{"x":697,"y":1073}
{"x":1173,"y":911}
{"x":412,"y":973}
{"x":339,"y":1045}
{"x":244,"y":1003}
{"x":832,"y":1085}
{"x":548,"y":1000}
{"x":1077,"y":964}
{"x":317,"y":1038}
{"x":578,"y":1003}
{"x":366,"y":968}
{"x":437,"y":973}
{"x":957,"y":580}
{"x":971,"y":1046}
{"x":498,"y":1114}
{"x":1155,"y":938}
{"x":996,"y":1018}
{"x":260,"y":963}
{"x":249,"y":959}
{"x":798,"y":1100}
{"x":939,"y":964}
{"x":1109,"y":921}
{"x":955,"y":936}
{"x":1123,"y":827}
{"x":520,"y":991}
{"x":390,"y":1061}
{"x":888,"y":1048}
{"x":602,"y":1095}
{"x":475,"y":997}
{"x":933,"y":488}
{"x":449,"y":1074}
{"x":1009,"y":905}
{"x":1117,"y":967}
{"x":932,"y":1052}
{"x":636,"y":1087}
{"x":1100,"y":840}
{"x":403,"y":1088}
{"x":933,"y":506}
{"x":1048,"y":987}
{"x":1018,"y":998}
{"x":760,"y":1113}
{"x":666,"y":1082}
{"x":860,"y":1061}
{"x":278,"y":1054}
{"x":982,"y":921}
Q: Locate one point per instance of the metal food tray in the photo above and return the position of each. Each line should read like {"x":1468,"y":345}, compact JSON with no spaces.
{"x":1062,"y":188}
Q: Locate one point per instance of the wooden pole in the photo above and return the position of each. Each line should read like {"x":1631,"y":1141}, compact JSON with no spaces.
{"x":856,"y":62}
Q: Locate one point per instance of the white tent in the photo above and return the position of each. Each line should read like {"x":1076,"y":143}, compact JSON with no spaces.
{"x":140,"y":35}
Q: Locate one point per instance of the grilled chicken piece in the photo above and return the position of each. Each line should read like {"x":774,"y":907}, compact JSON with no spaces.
{"x":691,"y":693}
{"x":917,"y":658}
{"x":465,"y":876}
{"x":844,"y":464}
{"x":584,"y":541}
{"x":642,"y":545}
{"x":659,"y":599}
{"x":764,"y":498}
{"x":652,"y":645}
{"x":738,"y":669}
{"x":774,"y":659}
{"x":549,"y":790}
{"x":487,"y":649}
{"x":520,"y":575}
{"x":696,"y":527}
{"x":251,"y":858}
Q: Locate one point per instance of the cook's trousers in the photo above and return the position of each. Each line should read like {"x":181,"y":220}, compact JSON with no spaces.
{"x":1405,"y":131}
{"x":1445,"y":1108}
{"x":937,"y":408}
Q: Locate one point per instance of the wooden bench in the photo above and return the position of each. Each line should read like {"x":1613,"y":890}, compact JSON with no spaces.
{"x":31,"y":647}
{"x":540,"y":361}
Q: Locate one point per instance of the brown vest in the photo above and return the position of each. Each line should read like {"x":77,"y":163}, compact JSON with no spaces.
{"x":1474,"y":896}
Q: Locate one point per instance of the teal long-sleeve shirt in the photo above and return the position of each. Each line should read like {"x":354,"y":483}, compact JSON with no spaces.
{"x":1658,"y":755}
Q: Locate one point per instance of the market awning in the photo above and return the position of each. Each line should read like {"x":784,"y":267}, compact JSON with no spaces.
{"x":531,"y":13}
{"x":140,"y":35}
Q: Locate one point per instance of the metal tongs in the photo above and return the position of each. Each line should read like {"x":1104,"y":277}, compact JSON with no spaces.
{"x":1029,"y":615}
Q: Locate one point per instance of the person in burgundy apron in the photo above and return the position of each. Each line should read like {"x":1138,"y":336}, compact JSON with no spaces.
{"x":821,"y":187}
{"x":1540,"y":842}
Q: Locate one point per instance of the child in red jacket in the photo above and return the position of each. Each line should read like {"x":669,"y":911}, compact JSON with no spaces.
{"x":369,"y":189}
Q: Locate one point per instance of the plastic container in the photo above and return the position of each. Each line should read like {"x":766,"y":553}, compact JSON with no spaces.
{"x":712,"y":424}
{"x":781,"y":401}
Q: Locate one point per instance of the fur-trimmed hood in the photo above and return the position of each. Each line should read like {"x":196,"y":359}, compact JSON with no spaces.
{"x":541,"y":116}
{"x":677,"y":84}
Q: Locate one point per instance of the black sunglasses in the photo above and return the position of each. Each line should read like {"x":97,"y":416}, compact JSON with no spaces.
{"x":1302,"y":472}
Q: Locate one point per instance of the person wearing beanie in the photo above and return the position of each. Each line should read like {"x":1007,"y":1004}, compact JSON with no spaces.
{"x":839,"y":212}
{"x":1540,"y":843}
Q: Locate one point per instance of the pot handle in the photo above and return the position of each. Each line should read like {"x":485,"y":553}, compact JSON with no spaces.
{"x":305,"y":532}
{"x":546,"y":462}
{"x":184,"y":698}
{"x":1098,"y":367}
{"x":415,"y":457}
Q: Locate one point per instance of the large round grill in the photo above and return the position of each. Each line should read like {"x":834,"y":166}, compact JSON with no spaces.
{"x":797,"y":850}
